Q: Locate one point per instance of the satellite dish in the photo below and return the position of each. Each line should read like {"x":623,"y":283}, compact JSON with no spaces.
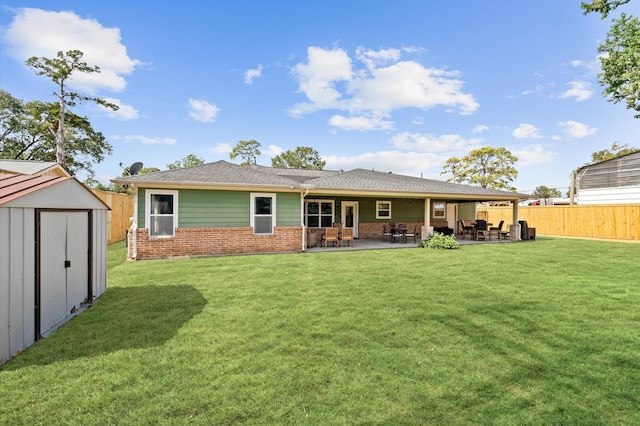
{"x":135,"y":168}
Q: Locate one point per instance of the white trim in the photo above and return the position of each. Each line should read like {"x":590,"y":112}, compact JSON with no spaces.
{"x":147,"y":210}
{"x":378,"y":216}
{"x":320,"y":201}
{"x":252,"y":210}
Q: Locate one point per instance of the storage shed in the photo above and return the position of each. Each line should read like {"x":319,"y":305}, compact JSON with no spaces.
{"x":53,"y":261}
{"x":615,"y":181}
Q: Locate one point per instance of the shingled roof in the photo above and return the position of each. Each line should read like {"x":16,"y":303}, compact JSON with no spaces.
{"x":222,"y":173}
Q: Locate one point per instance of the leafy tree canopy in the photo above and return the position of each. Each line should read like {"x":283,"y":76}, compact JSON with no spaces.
{"x":620,"y":55}
{"x":617,"y":150}
{"x":488,"y":167}
{"x":188,"y":161}
{"x":60,"y":70}
{"x":545,"y":192}
{"x":303,"y":157}
{"x":247,"y":150}
{"x":26,"y":134}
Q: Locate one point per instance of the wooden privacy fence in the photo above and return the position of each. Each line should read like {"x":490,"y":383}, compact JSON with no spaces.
{"x":118,"y":217}
{"x":618,"y":222}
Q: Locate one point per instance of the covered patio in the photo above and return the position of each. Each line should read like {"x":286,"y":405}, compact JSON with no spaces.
{"x":379,"y":244}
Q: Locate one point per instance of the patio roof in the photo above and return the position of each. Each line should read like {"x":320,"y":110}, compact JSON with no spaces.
{"x":358,"y":181}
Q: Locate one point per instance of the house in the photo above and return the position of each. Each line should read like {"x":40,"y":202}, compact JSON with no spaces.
{"x":31,"y":167}
{"x":223,"y":208}
{"x":53,"y":261}
{"x":615,"y":181}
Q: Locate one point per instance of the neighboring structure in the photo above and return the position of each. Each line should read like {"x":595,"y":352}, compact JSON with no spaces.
{"x":30,"y":167}
{"x":615,"y":181}
{"x":223,"y":208}
{"x":53,"y":260}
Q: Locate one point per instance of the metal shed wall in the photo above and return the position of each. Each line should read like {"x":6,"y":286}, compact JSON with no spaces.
{"x":18,"y":266}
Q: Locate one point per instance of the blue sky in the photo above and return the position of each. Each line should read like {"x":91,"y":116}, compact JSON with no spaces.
{"x":393,"y":86}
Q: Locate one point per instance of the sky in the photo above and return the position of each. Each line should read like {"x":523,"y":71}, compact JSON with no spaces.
{"x":395,"y":86}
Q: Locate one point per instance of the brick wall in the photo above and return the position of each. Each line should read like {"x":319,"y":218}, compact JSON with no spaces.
{"x":215,"y":242}
{"x":373,"y":230}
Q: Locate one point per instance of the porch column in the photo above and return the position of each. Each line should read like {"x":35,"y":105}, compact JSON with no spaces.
{"x":514,"y":229}
{"x":427,"y":228}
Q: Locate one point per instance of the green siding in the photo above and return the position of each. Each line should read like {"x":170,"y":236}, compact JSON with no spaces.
{"x":288,"y":209}
{"x":205,"y":208}
{"x":408,"y":210}
{"x":467,"y":211}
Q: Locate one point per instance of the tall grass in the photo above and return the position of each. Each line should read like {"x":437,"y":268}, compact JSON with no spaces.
{"x":544,"y":332}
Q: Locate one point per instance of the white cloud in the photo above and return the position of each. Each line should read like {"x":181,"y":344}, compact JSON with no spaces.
{"x":480,"y":128}
{"x":423,"y":142}
{"x":330,"y":82}
{"x":271,"y":151}
{"x":526,"y":131}
{"x":575,"y":129}
{"x":580,"y":90}
{"x":42,"y":33}
{"x":202,"y":110}
{"x":252,"y":74}
{"x":405,"y":163}
{"x":532,"y":154}
{"x":145,"y":140}
{"x":360,"y":123}
{"x":375,"y":58}
{"x":124,"y":112}
{"x":221,"y":148}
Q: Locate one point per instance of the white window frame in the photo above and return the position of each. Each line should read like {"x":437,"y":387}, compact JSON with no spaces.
{"x":439,"y":212}
{"x":252,"y":209}
{"x":148,"y":216}
{"x":379,"y":210}
{"x":320,"y":215}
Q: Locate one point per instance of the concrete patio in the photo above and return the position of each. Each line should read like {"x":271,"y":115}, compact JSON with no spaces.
{"x":378,"y":244}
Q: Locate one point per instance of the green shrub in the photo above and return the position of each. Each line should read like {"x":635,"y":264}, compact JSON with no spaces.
{"x":440,"y":242}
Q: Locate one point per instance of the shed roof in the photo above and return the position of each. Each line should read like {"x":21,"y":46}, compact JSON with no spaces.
{"x":222,"y":173}
{"x":20,"y":187}
{"x":31,"y":167}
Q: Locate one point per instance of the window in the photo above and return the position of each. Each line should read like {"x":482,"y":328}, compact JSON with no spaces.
{"x":263,"y":213}
{"x":318,"y":213}
{"x":383,"y":209}
{"x":438,"y":210}
{"x":161,"y":212}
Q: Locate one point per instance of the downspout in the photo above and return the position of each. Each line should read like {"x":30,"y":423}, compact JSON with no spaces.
{"x":134,"y":225}
{"x":304,"y":228}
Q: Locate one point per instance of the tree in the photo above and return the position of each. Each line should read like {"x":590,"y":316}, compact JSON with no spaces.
{"x":303,"y":157}
{"x":59,"y":70}
{"x":617,"y":150}
{"x":188,"y":161}
{"x":544,"y":192}
{"x":620,"y":55}
{"x":26,"y":135}
{"x":247,"y":150}
{"x":488,"y":167}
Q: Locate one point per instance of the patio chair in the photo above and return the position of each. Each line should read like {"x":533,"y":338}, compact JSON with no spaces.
{"x":414,"y":234}
{"x":347,"y":235}
{"x":481,"y":230}
{"x":331,"y":235}
{"x":467,"y":228}
{"x":386,"y":233}
{"x":496,"y":230}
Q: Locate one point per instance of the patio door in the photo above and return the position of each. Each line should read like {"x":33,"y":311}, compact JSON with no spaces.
{"x":452,"y":215}
{"x":350,"y":216}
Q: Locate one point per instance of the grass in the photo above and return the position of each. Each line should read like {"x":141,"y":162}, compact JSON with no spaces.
{"x":546,"y":332}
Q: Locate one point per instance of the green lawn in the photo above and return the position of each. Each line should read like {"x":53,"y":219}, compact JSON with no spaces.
{"x":544,"y":332}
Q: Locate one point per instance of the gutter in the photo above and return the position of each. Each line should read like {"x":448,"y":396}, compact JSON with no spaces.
{"x":304,"y":228}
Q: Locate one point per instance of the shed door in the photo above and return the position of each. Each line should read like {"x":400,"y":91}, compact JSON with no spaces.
{"x":64,"y":270}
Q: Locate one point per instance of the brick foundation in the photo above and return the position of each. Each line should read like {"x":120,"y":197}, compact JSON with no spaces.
{"x":373,"y":230}
{"x":215,"y":242}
